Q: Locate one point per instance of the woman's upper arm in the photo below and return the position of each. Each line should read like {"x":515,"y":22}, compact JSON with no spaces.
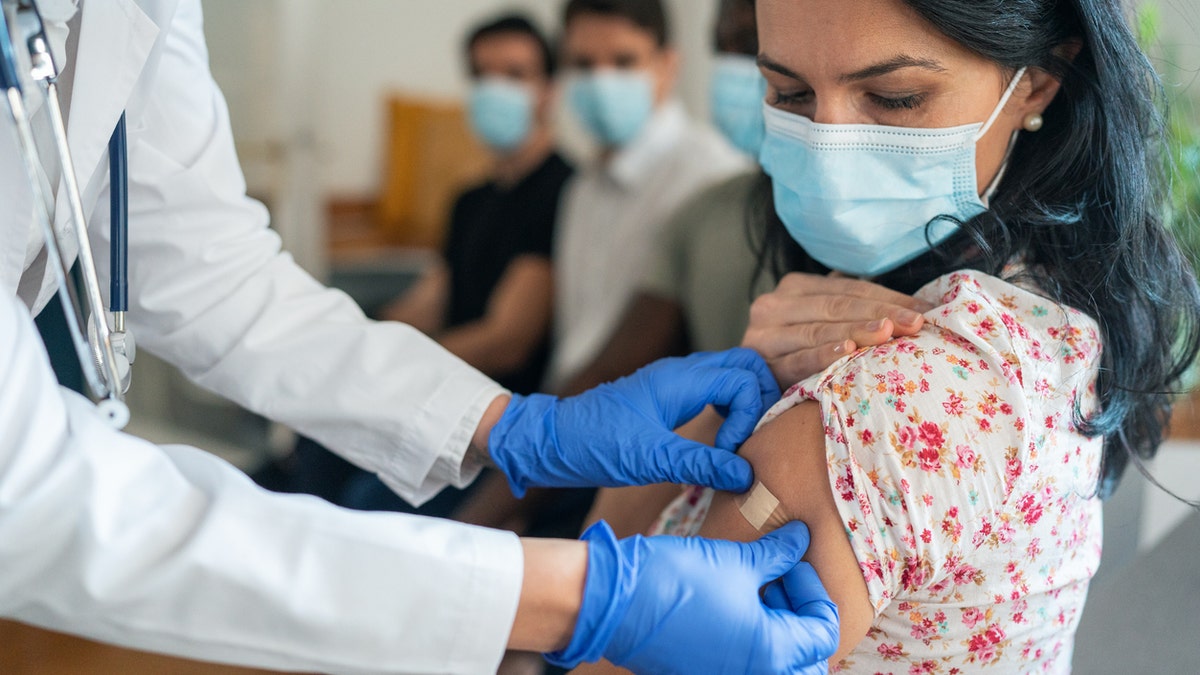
{"x":788,"y":456}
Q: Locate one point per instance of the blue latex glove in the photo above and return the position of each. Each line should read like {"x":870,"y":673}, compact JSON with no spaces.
{"x":620,"y":433}
{"x":691,"y":605}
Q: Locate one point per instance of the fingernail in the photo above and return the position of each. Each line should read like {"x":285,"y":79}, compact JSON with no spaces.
{"x":875,"y":325}
{"x":908,"y":317}
{"x":840,"y":348}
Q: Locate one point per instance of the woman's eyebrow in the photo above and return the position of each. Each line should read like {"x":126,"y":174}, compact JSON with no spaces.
{"x":882,"y":68}
{"x":891,"y":65}
{"x":767,"y":62}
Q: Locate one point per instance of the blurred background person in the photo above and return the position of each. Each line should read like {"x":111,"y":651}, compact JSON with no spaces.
{"x":488,"y":299}
{"x":694,"y":288}
{"x":621,"y":70}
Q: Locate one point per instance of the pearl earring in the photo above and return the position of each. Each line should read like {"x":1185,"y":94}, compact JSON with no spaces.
{"x":1033,"y":122}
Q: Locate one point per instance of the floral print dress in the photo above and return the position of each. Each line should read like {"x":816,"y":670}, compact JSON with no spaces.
{"x":967,"y":492}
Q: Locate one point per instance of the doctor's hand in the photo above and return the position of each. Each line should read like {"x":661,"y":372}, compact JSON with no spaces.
{"x":691,"y":605}
{"x":620,"y":433}
{"x":810,"y":321}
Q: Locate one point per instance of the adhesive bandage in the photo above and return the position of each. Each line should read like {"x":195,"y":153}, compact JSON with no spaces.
{"x":761,"y":509}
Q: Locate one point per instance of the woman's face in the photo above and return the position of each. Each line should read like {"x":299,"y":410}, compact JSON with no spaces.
{"x":879,"y":62}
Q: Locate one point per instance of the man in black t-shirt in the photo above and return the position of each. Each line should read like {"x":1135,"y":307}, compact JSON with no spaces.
{"x":490,"y":299}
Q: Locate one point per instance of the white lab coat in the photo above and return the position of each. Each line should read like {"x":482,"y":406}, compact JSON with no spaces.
{"x":169,"y":549}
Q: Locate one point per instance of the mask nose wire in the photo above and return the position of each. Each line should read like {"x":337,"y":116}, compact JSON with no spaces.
{"x":1012,"y":86}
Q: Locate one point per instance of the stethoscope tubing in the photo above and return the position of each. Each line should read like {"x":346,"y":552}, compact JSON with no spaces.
{"x":118,"y":171}
{"x":99,"y":353}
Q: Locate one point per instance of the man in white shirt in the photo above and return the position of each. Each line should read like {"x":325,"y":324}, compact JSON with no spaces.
{"x":652,"y":158}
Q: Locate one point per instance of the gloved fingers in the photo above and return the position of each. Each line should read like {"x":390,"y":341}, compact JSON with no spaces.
{"x":803,"y":587}
{"x":687,"y":462}
{"x":810,"y":622}
{"x":776,"y":553}
{"x":774,"y":597}
{"x":819,"y":668}
{"x":750,"y":360}
{"x":736,"y":396}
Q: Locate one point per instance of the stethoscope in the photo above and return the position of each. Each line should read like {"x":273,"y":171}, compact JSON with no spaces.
{"x":107,"y":352}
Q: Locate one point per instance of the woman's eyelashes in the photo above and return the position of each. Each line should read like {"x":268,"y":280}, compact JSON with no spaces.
{"x":886,"y":103}
{"x":782,"y":98}
{"x":909,"y":102}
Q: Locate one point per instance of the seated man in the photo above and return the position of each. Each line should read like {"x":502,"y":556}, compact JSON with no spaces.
{"x":695,"y":289}
{"x":652,"y":158}
{"x":489,"y":299}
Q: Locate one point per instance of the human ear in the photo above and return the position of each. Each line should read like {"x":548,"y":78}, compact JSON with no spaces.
{"x":1044,"y":85}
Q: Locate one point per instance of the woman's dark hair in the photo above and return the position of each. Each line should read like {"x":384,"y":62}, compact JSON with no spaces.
{"x":514,"y":24}
{"x":1081,"y":205}
{"x":736,"y":31}
{"x":649,"y":15}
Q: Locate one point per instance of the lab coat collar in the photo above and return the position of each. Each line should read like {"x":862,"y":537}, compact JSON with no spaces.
{"x":634,"y":163}
{"x":115,"y":40}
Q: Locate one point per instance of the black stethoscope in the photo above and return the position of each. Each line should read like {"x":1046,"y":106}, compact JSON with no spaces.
{"x":107,"y":352}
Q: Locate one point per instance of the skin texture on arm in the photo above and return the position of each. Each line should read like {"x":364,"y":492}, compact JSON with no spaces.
{"x":516,"y":321}
{"x":788,"y":456}
{"x":651,"y":328}
{"x":424,"y":305}
{"x":549,"y":608}
{"x":517,"y":318}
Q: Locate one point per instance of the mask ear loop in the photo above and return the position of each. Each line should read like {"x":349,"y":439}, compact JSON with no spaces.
{"x":995,"y":184}
{"x":1012,"y":86}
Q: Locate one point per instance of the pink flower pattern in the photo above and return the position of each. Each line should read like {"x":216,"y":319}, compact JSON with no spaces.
{"x":966,"y":490}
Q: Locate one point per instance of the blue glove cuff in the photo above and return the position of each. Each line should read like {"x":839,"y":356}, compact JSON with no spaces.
{"x":518,"y":441}
{"x":607,"y":594}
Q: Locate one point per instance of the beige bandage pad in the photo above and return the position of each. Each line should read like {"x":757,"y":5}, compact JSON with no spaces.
{"x":761,"y":509}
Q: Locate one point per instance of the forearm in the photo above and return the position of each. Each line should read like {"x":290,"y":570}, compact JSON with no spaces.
{"x":424,"y":305}
{"x":495,"y":350}
{"x":652,"y":328}
{"x":555,"y":572}
{"x":515,"y":324}
{"x":478,"y":449}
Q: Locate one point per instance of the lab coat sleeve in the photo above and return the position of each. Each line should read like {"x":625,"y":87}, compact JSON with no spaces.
{"x":212,"y":292}
{"x":173,"y":550}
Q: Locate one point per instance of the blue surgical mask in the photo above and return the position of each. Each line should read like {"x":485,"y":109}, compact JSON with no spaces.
{"x":614,"y":106}
{"x":501,"y":112}
{"x":738,"y":90}
{"x":865,"y":199}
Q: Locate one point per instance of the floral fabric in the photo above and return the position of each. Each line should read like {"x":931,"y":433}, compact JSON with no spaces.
{"x":967,"y":492}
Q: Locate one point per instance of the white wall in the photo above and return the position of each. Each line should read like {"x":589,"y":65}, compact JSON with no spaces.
{"x":352,"y":52}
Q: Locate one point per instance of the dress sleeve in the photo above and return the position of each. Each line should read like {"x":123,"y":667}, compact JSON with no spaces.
{"x":921,"y":435}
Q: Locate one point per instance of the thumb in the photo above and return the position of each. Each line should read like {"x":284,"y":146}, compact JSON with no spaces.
{"x":736,"y":394}
{"x":811,"y":618}
{"x":775,"y":553}
{"x":690,"y":463}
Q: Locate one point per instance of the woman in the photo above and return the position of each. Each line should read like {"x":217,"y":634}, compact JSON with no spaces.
{"x":999,"y":157}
